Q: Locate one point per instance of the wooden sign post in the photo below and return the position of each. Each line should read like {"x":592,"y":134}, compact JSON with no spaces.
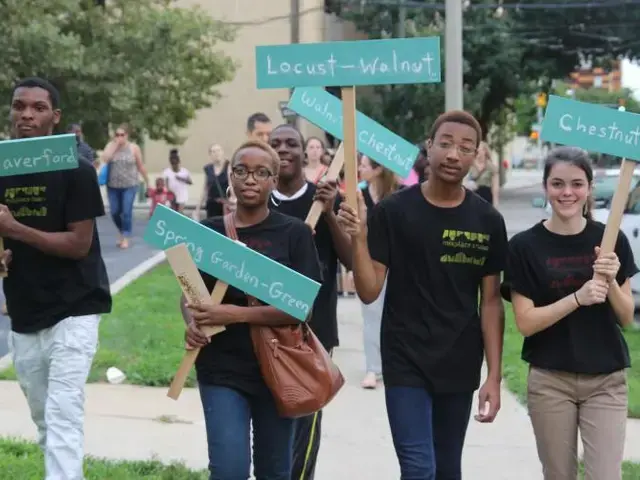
{"x":35,"y":155}
{"x":349,"y":64}
{"x":231,"y":263}
{"x":598,"y":129}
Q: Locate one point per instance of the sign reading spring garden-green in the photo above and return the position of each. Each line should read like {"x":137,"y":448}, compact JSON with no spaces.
{"x":594,"y":128}
{"x":364,"y":62}
{"x":233,"y":263}
{"x":372,"y":139}
{"x":39,"y":154}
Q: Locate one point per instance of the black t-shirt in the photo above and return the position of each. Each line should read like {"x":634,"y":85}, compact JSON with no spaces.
{"x":324,"y":320}
{"x":545,"y":267}
{"x":216,"y":189}
{"x":368,"y":199}
{"x":229,"y":360}
{"x":43,"y":289}
{"x":436,"y":259}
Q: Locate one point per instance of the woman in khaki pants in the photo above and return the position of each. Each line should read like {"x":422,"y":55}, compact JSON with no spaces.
{"x":572,"y":325}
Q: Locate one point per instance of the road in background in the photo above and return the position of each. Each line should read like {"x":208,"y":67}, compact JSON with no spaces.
{"x":117,"y":261}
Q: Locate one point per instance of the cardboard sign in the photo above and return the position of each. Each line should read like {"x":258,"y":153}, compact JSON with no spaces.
{"x":364,"y":62}
{"x":233,"y":263}
{"x":594,"y":128}
{"x":39,"y":154}
{"x":372,"y":139}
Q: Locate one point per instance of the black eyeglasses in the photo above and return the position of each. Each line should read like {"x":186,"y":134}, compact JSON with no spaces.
{"x":242,"y":173}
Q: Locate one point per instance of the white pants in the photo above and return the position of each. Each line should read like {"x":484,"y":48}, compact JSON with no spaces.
{"x":372,"y":318}
{"x":52,"y":367}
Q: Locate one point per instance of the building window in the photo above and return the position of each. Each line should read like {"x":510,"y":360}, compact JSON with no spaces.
{"x":597,"y":81}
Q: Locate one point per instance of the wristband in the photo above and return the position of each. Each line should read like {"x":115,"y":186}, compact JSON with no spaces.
{"x":575,"y":295}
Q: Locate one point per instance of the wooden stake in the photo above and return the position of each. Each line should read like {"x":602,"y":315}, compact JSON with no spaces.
{"x":195,"y":290}
{"x":332,"y":174}
{"x":349,"y":142}
{"x":618,"y":204}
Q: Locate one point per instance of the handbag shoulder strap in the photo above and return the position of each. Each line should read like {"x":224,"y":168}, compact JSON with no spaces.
{"x":230,"y":227}
{"x":232,"y":233}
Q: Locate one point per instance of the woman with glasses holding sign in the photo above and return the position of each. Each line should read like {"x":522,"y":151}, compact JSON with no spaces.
{"x":233,"y":392}
{"x":572,"y":325}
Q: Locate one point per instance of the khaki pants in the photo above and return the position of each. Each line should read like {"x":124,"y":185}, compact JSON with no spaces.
{"x":560,"y":403}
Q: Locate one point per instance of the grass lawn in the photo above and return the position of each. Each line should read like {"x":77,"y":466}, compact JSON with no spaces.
{"x":143,"y":334}
{"x":20,"y":460}
{"x":515,"y":370}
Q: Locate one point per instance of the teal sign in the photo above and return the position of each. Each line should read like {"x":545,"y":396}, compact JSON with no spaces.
{"x":592,"y":127}
{"x":233,"y":263}
{"x":365,"y":62}
{"x":373,"y":140}
{"x":39,"y":154}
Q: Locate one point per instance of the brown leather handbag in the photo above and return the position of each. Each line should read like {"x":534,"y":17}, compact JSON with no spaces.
{"x":294,"y":364}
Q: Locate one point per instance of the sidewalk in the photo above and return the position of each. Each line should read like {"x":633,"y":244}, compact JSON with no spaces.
{"x":124,"y":422}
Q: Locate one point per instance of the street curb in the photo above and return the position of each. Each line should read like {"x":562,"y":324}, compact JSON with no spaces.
{"x":126,"y":279}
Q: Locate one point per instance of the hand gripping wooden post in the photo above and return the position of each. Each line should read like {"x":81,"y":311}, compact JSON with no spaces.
{"x":349,"y":143}
{"x":332,"y":174}
{"x":196,"y":292}
{"x":618,"y":203}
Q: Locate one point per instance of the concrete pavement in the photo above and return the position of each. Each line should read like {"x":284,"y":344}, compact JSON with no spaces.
{"x":125,"y":422}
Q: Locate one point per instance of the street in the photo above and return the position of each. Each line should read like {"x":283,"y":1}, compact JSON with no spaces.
{"x":117,"y":261}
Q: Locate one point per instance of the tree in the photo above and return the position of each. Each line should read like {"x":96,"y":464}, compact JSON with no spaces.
{"x":509,"y":53}
{"x":145,"y":63}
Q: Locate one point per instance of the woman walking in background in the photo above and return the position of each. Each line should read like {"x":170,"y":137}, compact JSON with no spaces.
{"x":380,"y":183}
{"x":314,"y":169}
{"x":214,"y":194}
{"x":125,"y":164}
{"x":484,"y":176}
{"x":572,"y":323}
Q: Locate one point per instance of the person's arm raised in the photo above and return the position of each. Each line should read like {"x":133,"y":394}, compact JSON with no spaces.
{"x":368,"y":274}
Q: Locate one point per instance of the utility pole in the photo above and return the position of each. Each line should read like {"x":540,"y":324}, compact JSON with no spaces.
{"x":402,"y":19}
{"x":453,"y":55}
{"x":294,"y":20}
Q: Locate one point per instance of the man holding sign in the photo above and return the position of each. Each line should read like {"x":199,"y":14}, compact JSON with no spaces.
{"x":294,"y":196}
{"x":439,"y":244}
{"x":57,"y":285}
{"x":233,"y":392}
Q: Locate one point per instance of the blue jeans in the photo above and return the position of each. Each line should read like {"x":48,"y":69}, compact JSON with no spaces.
{"x":121,"y":205}
{"x":428,"y":431}
{"x":228,"y":416}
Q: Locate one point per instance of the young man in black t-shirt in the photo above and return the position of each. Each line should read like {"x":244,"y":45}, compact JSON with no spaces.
{"x":294,"y":196}
{"x":439,"y":245}
{"x":57,"y":285}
